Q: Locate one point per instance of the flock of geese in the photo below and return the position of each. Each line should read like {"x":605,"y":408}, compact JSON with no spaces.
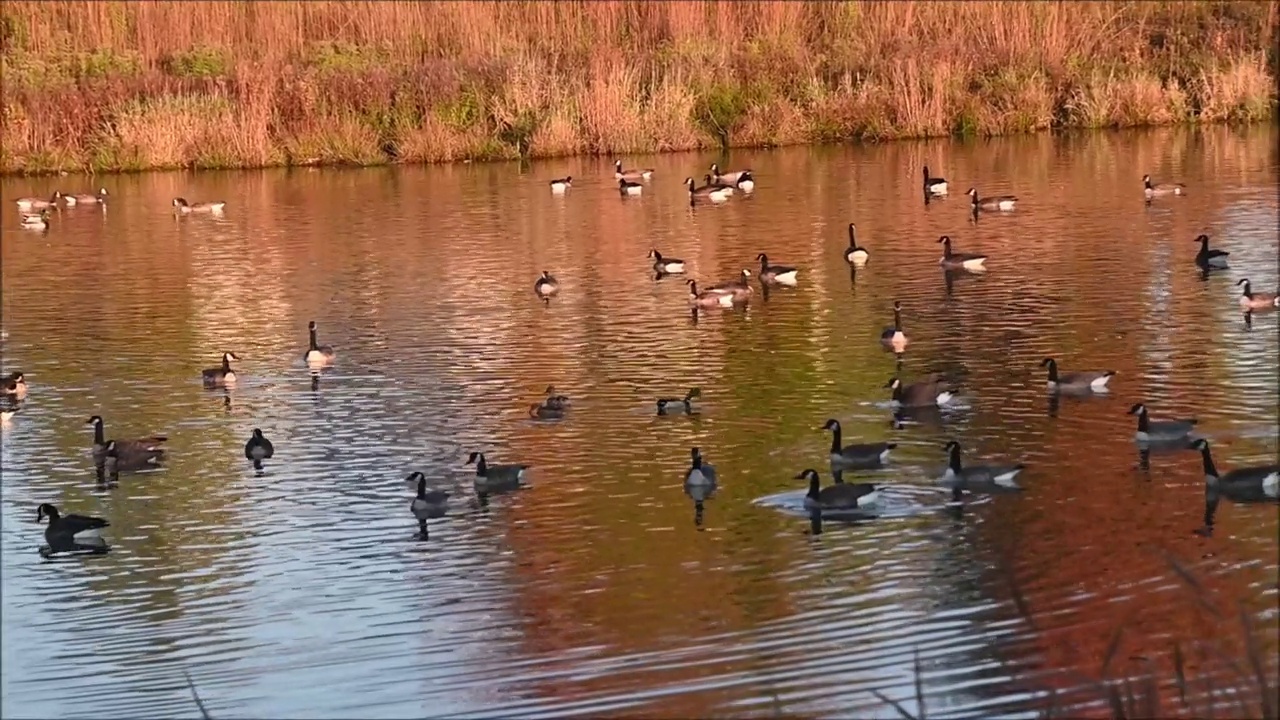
{"x":80,"y":533}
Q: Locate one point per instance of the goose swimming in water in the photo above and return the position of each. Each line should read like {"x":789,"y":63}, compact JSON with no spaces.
{"x":1160,"y":430}
{"x":1245,"y":484}
{"x":857,"y":455}
{"x":977,"y":477}
{"x":840,"y":496}
{"x":1094,"y":380}
{"x":317,"y":354}
{"x":68,"y":533}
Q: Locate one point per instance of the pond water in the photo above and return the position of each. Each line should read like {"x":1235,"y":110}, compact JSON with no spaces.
{"x":305,"y":592}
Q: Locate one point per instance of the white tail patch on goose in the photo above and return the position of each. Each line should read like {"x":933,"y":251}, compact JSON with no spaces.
{"x":1006,"y":478}
{"x":939,"y":188}
{"x":858,"y":256}
{"x":634,"y":189}
{"x":884,"y":454}
{"x":870,"y":499}
{"x":746,"y":186}
{"x":1271,"y":485}
{"x":673,"y":267}
{"x":786,"y":278}
{"x":1100,"y":383}
{"x":1005,"y":204}
{"x":944,"y":398}
{"x":92,"y":536}
{"x":974,"y":264}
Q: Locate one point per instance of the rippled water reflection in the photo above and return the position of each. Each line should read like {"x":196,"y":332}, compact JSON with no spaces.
{"x":304,"y":593}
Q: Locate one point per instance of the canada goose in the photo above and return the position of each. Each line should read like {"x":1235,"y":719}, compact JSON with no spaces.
{"x":1095,"y":380}
{"x":546,"y":286}
{"x":258,"y":448}
{"x":926,"y":393}
{"x":1001,"y":202}
{"x":1207,"y":258}
{"x":224,"y":375}
{"x":559,"y":185}
{"x":712,"y":194}
{"x":1257,"y":482}
{"x":893,"y":336}
{"x":1160,"y":430}
{"x":496,"y":478}
{"x":101,"y":196}
{"x":717,"y":185}
{"x":1250,"y":300}
{"x":776,"y":274}
{"x":72,"y":532}
{"x":708,"y":298}
{"x":30,"y":203}
{"x":554,"y":400}
{"x":15,"y":385}
{"x":677,"y":406}
{"x":853,"y":254}
{"x":427,"y":504}
{"x":859,"y":454}
{"x":933,"y":185}
{"x":666,"y":265}
{"x":38,"y":221}
{"x":737,"y":177}
{"x":131,"y":453}
{"x":968,"y":261}
{"x":740,"y":287}
{"x":544,"y":412}
{"x":629,"y":188}
{"x":840,"y":496}
{"x":1161,"y":189}
{"x":317,"y":354}
{"x":699,"y":472}
{"x":978,"y":477}
{"x":620,"y":174}
{"x":204,"y":207}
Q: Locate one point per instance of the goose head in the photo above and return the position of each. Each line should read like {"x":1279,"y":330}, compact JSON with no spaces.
{"x":1245,"y":283}
{"x":894,"y":383}
{"x":945,"y":240}
{"x":715,"y":169}
{"x":94,"y":420}
{"x":1049,"y":363}
{"x":1200,"y":444}
{"x":807,"y":474}
{"x":475,"y":457}
{"x":617,"y":166}
{"x":1137,"y":409}
{"x":1202,"y":239}
{"x":832,"y":424}
{"x":46,"y":511}
{"x":689,"y":183}
{"x":973,"y":193}
{"x":311,"y":325}
{"x":415,"y":476}
{"x":257,"y":434}
{"x":229,"y":356}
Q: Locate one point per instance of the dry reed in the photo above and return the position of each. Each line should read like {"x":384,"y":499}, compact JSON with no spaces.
{"x":123,"y":85}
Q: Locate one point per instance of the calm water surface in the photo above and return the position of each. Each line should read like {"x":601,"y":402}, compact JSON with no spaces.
{"x":304,"y":592}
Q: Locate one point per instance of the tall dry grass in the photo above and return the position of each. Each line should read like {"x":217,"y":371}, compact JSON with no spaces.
{"x":126,"y":85}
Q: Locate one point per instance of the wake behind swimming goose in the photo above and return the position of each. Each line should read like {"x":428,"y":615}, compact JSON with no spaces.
{"x":926,"y":393}
{"x":1250,"y":300}
{"x":1206,"y":258}
{"x":1160,"y":430}
{"x":983,"y":478}
{"x":856,"y":455}
{"x":670,"y":266}
{"x":491,"y":479}
{"x":776,"y":274}
{"x":1092,"y":380}
{"x":1245,"y":484}
{"x":854,"y":254}
{"x":840,"y":496}
{"x":258,"y":448}
{"x":1003,"y":203}
{"x":220,"y":376}
{"x":934,"y":185}
{"x":955,"y":260}
{"x":71,"y":533}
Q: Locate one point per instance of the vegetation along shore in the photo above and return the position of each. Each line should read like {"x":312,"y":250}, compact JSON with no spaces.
{"x":119,"y":86}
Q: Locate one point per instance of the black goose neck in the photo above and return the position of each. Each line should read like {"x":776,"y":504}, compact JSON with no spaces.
{"x":226,"y":364}
{"x":1144,"y":422}
{"x":897,"y":320}
{"x":99,"y":438}
{"x":953,"y":461}
{"x":1053,"y":371}
{"x":1207,"y":457}
{"x":314,"y":345}
{"x":482,"y":468}
{"x":422,"y":487}
{"x":814,"y":488}
{"x":835,"y":439}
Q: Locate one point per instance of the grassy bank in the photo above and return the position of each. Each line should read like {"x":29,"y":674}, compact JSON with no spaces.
{"x":129,"y":86}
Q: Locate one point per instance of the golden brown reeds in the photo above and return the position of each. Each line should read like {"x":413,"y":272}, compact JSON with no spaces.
{"x":123,"y":85}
